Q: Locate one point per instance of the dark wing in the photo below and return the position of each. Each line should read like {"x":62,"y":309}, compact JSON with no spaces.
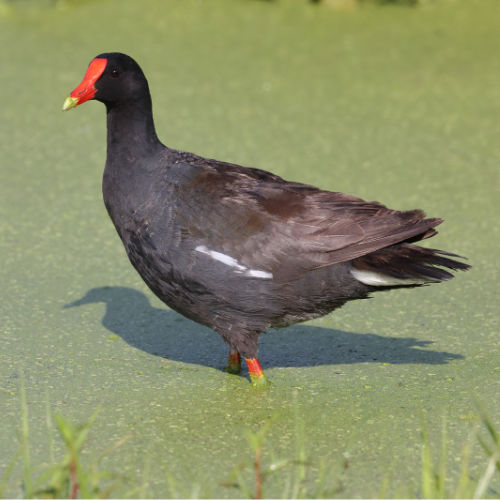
{"x":283,"y":227}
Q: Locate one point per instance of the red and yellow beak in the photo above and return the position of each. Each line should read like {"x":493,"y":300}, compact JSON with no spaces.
{"x":86,"y":90}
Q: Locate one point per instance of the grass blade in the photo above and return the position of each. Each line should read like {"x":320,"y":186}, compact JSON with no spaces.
{"x":484,"y":482}
{"x":8,"y":473}
{"x":27,"y":472}
{"x":441,"y":476}
{"x":427,"y":472}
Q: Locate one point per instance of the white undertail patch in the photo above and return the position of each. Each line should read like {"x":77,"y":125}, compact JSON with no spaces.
{"x":372,"y":278}
{"x":231,"y":262}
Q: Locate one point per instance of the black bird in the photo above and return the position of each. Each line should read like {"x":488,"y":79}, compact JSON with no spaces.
{"x":240,"y":249}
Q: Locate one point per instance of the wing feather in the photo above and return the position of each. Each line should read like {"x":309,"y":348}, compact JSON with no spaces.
{"x":288,"y":228}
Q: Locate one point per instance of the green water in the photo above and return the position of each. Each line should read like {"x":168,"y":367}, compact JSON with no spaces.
{"x":401,"y":105}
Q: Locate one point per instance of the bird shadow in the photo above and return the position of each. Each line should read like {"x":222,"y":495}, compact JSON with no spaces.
{"x":164,"y":333}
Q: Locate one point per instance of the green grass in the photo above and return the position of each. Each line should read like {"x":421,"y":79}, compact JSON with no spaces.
{"x":435,"y":482}
{"x":75,"y":476}
{"x":69,"y":477}
{"x":293,"y":473}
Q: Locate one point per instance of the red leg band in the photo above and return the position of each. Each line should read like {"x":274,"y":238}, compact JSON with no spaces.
{"x":235,"y":357}
{"x":234,"y":361}
{"x":254,"y":369}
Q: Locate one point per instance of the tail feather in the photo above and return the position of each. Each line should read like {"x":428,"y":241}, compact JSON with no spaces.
{"x":406,"y":265}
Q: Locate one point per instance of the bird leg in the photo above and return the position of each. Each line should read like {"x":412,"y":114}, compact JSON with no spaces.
{"x":233,"y":362}
{"x":256,"y":373}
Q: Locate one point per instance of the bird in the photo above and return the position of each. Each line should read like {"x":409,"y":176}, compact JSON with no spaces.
{"x":240,"y":249}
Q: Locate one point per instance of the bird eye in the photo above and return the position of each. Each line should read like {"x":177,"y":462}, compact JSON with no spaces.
{"x":115,"y":72}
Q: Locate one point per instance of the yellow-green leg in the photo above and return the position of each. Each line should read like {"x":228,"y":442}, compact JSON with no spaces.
{"x":256,"y":373}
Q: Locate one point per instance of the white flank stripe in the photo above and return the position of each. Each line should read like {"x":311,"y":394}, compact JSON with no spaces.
{"x":221,"y":257}
{"x":377,"y":279}
{"x":259,"y":274}
{"x":229,"y":261}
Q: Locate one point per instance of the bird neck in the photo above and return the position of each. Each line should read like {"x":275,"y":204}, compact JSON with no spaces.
{"x":131,"y":131}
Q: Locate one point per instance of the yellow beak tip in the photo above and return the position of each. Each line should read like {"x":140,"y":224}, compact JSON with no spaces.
{"x":70,"y":102}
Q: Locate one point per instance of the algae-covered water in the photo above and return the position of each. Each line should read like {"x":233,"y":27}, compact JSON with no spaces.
{"x":401,"y":105}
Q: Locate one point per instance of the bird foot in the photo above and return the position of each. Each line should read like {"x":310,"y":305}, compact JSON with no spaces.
{"x":260,"y":381}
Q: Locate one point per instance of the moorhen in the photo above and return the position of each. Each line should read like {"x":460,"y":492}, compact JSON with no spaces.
{"x":240,"y":249}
